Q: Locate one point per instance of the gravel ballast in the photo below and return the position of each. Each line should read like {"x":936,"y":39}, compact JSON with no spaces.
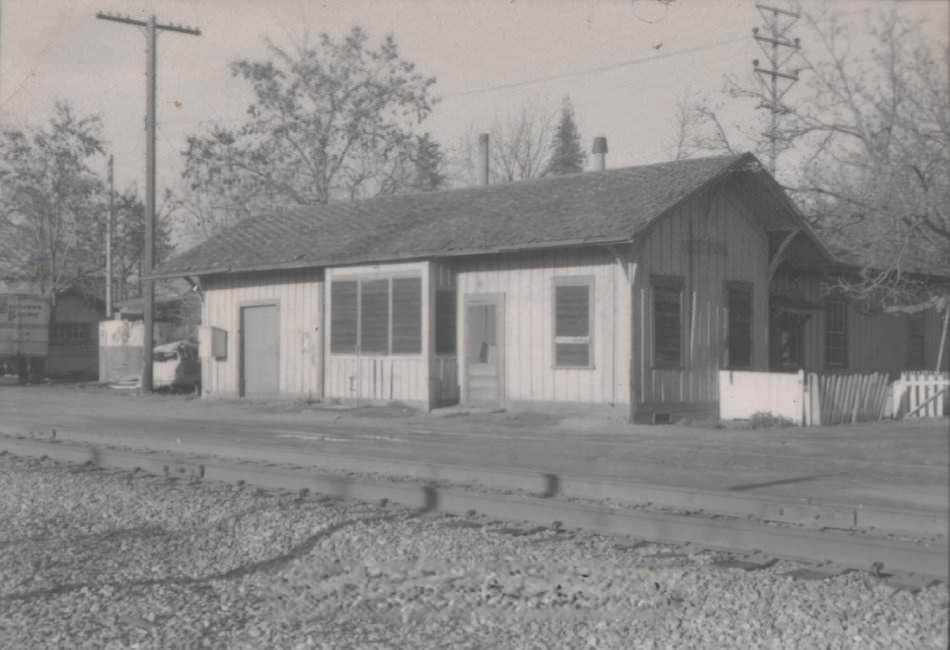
{"x":116,"y":559}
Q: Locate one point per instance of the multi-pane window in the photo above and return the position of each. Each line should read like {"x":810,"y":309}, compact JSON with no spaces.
{"x":572,"y":322}
{"x":407,"y":316}
{"x":379,"y":316}
{"x":915,"y":342}
{"x":67,"y":332}
{"x":344,"y":310}
{"x":445,"y":321}
{"x":740,"y":325}
{"x":667,"y":321}
{"x":374,"y":316}
{"x":836,"y":333}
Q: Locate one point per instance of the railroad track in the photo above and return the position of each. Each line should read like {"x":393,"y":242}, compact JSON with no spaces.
{"x":842,"y":549}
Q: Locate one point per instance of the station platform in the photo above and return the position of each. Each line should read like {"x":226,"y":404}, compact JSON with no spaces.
{"x":890,"y":464}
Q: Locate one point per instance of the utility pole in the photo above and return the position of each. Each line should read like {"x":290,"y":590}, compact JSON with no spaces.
{"x":109,"y":221}
{"x":778,"y":22}
{"x":152,"y":27}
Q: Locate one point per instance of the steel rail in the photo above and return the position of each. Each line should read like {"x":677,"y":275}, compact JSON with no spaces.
{"x":845,"y":549}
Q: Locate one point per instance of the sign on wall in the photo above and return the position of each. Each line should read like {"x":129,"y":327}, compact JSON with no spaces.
{"x":24,"y":326}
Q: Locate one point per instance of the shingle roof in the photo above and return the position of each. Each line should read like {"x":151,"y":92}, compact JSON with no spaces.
{"x":610,"y":205}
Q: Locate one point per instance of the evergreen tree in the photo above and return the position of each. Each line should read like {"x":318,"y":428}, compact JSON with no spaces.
{"x":567,"y":156}
{"x":429,"y":165}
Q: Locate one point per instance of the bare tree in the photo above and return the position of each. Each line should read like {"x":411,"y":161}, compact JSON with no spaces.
{"x":866,"y":150}
{"x":519,"y":145}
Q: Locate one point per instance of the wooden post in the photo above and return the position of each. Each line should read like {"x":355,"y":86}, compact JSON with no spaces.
{"x":943,"y":336}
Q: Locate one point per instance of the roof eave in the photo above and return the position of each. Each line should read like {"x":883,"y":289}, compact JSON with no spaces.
{"x":495,"y":250}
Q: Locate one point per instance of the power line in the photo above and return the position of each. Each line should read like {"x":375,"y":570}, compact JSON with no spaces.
{"x":778,"y":22}
{"x":53,"y":34}
{"x":587,"y":71}
{"x":152,"y":28}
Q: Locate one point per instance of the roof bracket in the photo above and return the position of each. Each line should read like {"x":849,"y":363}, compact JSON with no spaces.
{"x":779,"y":255}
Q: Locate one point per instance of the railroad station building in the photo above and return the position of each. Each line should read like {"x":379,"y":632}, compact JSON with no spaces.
{"x":624,"y":290}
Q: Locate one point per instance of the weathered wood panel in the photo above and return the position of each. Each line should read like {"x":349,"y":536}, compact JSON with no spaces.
{"x":877,"y":342}
{"x":708,"y":242}
{"x":527,"y":282}
{"x":381,"y":377}
{"x":299,"y":297}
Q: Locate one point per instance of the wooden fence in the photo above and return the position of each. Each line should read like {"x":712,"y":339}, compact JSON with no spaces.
{"x":809,"y":400}
{"x":921,"y":394}
{"x":841,"y":399}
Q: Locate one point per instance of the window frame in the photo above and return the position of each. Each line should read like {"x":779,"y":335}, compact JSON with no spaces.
{"x":360,"y":279}
{"x":392,"y":313}
{"x":668,"y":283}
{"x":749,"y":287}
{"x":830,"y":304}
{"x":74,"y":331}
{"x":573,"y":281}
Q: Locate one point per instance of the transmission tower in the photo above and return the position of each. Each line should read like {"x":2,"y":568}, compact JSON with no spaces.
{"x":775,"y":79}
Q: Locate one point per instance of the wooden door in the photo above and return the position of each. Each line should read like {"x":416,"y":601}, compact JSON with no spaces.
{"x":260,"y":350}
{"x":484,"y":350}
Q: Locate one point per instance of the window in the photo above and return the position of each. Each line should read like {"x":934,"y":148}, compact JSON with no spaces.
{"x":69,"y":332}
{"x":740,"y":325}
{"x":836,"y":333}
{"x":407,"y":316}
{"x":343,"y":323}
{"x":667,"y":321}
{"x":915,"y":342}
{"x":572,"y":322}
{"x":445,"y":321}
{"x":374,"y":316}
{"x":379,"y":316}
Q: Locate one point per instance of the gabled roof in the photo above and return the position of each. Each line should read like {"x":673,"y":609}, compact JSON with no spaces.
{"x":592,"y":207}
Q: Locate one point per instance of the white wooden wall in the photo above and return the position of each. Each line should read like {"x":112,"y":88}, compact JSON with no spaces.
{"x":299,"y":296}
{"x":403,"y":377}
{"x":527,"y":282}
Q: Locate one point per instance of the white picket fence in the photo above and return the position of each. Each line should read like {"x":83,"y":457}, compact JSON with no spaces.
{"x":813,"y":399}
{"x":921,"y":394}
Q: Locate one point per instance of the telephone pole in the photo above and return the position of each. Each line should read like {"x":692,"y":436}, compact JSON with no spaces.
{"x":152,"y":27}
{"x":774,"y":79}
{"x":109,"y":221}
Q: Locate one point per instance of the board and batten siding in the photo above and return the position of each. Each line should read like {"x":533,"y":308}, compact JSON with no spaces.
{"x":380,"y":377}
{"x":877,"y":342}
{"x":708,"y":242}
{"x":298,"y":295}
{"x":527,"y":281}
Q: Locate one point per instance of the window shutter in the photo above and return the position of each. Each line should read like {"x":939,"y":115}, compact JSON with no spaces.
{"x":407,"y":315}
{"x":572,"y":311}
{"x":374,"y":316}
{"x":667,"y":321}
{"x":343,"y":317}
{"x":740,"y":325}
{"x":445,"y":322}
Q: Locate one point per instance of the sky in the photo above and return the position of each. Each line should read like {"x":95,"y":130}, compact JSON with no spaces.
{"x":624,"y":63}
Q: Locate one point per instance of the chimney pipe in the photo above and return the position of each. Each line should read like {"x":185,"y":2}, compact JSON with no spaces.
{"x":600,"y":151}
{"x":483,"y":159}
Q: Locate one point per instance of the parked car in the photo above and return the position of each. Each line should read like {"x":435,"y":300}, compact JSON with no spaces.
{"x":176,"y":365}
